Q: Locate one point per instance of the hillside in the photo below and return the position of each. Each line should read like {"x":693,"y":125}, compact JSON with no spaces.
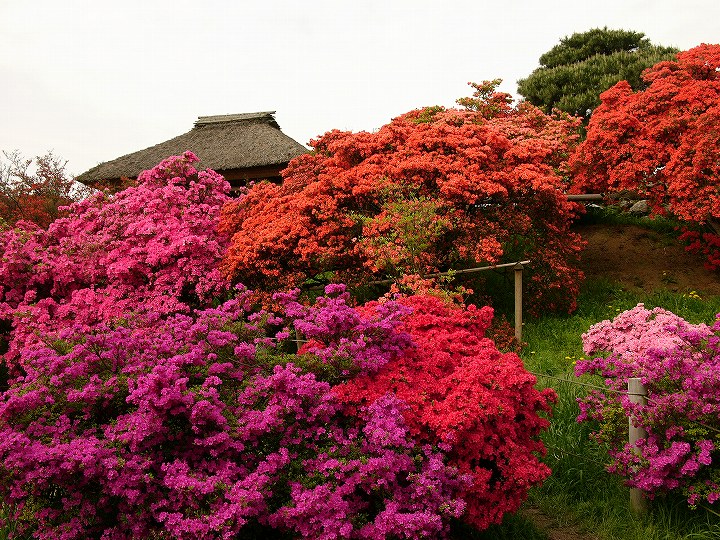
{"x":641,"y":258}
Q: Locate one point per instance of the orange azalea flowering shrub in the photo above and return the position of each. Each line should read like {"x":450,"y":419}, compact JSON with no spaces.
{"x":662,"y":142}
{"x":435,"y":189}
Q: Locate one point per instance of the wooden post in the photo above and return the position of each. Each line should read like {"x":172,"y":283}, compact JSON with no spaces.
{"x":637,"y":394}
{"x":299,"y":340}
{"x":518,"y":301}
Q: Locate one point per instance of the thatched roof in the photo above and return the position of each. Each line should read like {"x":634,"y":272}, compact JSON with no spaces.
{"x":225,"y":142}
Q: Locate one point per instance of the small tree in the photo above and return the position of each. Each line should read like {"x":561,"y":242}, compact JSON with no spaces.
{"x":574,"y":73}
{"x":35,"y":190}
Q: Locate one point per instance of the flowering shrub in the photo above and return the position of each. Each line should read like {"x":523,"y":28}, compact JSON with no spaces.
{"x":477,"y":404}
{"x":153,"y":248}
{"x":434,"y":189}
{"x":679,"y":364}
{"x":662,"y":142}
{"x":198,"y":426}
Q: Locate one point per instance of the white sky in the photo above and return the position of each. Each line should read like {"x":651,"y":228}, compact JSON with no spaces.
{"x":92,"y":80}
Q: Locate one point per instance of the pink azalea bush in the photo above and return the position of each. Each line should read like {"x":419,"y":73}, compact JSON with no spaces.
{"x":152,"y":248}
{"x":150,"y":398}
{"x":679,"y":364}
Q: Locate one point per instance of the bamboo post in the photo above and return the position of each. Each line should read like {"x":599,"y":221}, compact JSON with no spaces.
{"x":453,"y":272}
{"x":299,"y":340}
{"x":518,"y":301}
{"x":637,"y":394}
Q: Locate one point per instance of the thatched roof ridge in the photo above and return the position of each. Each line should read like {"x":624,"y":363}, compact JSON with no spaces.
{"x":266,"y":116}
{"x":225,"y":142}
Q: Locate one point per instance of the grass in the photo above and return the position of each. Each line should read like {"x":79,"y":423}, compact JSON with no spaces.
{"x":7,"y":526}
{"x":579,"y":490}
{"x":513,"y":527}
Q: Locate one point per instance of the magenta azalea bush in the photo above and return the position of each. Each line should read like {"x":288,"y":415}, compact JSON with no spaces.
{"x":147,"y":397}
{"x":201,"y":426}
{"x":151,"y":248}
{"x":679,"y":364}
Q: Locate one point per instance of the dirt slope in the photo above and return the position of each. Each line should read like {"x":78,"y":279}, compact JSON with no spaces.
{"x":644,"y":259}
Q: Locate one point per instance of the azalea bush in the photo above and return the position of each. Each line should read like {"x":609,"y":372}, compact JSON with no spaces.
{"x":153,"y":247}
{"x":203,"y":425}
{"x":662,"y":143}
{"x":150,"y":397}
{"x":435,"y":189}
{"x":679,"y":364}
{"x":479,"y":405}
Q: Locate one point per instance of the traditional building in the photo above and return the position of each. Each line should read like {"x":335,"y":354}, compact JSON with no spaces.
{"x":241,"y":147}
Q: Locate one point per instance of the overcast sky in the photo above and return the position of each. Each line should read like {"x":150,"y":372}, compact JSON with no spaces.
{"x":92,"y":80}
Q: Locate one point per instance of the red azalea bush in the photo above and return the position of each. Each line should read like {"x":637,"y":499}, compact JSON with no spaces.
{"x":679,"y":364}
{"x":435,"y":189}
{"x":662,"y":142}
{"x":477,"y":404}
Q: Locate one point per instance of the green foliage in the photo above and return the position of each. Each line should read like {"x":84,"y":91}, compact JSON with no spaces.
{"x":8,"y":527}
{"x":581,"y":46}
{"x":574,"y":73}
{"x":613,"y":215}
{"x":411,"y":228}
{"x":427,"y":115}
